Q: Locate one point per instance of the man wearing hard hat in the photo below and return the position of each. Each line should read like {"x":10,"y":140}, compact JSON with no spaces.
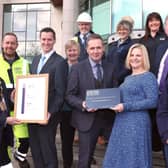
{"x":84,"y":22}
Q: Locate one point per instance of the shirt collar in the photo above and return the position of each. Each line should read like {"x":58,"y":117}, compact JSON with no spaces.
{"x":93,"y":64}
{"x":82,"y":35}
{"x":47,"y":55}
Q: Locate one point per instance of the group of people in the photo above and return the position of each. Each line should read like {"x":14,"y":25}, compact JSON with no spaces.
{"x":138,"y":69}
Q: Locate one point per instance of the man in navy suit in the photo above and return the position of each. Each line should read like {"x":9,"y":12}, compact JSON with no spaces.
{"x":162,"y":117}
{"x":42,"y":136}
{"x":162,"y":111}
{"x":159,"y":54}
{"x":84,"y":76}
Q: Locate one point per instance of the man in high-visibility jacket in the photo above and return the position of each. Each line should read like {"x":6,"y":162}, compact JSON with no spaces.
{"x":11,"y":66}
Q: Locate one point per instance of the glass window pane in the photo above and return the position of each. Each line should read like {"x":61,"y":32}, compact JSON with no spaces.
{"x":122,"y":8}
{"x":19,"y":21}
{"x":20,"y":35}
{"x":97,"y":2}
{"x":43,"y":20}
{"x":101,"y":14}
{"x":7,"y":22}
{"x":39,"y":7}
{"x":16,"y":8}
{"x":32,"y":49}
{"x":26,"y":20}
{"x":31,"y":26}
{"x":38,"y":36}
{"x":21,"y":49}
{"x":156,"y":6}
{"x":7,"y":8}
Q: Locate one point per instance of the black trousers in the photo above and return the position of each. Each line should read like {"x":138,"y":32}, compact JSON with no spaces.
{"x":88,"y":139}
{"x":67,"y":137}
{"x":24,"y":145}
{"x":4,"y":157}
{"x":42,"y":143}
{"x":156,"y":140}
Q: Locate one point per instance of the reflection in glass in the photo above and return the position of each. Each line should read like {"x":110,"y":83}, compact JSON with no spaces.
{"x":43,"y":19}
{"x":19,"y":21}
{"x":31,"y":26}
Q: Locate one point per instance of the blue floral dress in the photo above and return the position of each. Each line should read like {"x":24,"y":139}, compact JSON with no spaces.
{"x":130,"y":141}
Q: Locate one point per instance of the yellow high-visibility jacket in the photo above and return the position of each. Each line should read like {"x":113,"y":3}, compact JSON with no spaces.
{"x":19,"y":67}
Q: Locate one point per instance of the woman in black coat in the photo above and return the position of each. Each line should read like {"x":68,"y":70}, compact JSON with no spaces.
{"x":118,"y":50}
{"x":6,"y":135}
{"x":153,"y":38}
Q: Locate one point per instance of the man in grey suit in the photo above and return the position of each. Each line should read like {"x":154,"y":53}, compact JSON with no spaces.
{"x":42,"y":136}
{"x":84,"y":76}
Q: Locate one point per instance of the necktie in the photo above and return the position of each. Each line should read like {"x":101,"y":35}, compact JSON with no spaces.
{"x":99,"y":72}
{"x":41,"y":63}
{"x":84,"y":40}
{"x":164,"y":74}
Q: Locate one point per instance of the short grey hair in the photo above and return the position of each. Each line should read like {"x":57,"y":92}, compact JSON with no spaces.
{"x":126,"y":24}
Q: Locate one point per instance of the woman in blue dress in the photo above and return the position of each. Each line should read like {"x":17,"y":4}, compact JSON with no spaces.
{"x":130,"y":141}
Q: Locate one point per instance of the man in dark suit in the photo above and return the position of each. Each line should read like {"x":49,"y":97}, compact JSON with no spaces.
{"x":162,"y":111}
{"x":42,"y":136}
{"x":84,"y":76}
{"x":84,"y":22}
{"x":161,"y":49}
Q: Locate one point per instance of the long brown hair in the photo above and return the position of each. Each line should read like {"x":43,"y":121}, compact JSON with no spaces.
{"x":149,"y":18}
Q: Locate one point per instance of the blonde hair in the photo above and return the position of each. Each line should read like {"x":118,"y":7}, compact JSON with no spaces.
{"x":144,"y":54}
{"x":71,"y":43}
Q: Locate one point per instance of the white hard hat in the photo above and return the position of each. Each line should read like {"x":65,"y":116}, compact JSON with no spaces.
{"x":84,"y":17}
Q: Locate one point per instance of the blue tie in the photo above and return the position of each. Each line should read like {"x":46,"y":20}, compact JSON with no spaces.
{"x":41,"y":63}
{"x":164,"y":74}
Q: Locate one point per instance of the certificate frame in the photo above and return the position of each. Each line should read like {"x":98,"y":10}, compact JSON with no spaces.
{"x":31,"y":98}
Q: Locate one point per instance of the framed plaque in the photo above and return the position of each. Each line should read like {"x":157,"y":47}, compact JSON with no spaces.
{"x":31,"y":98}
{"x":102,"y":98}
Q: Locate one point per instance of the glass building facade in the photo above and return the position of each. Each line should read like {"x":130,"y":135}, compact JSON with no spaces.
{"x":107,"y":13}
{"x":26,"y":20}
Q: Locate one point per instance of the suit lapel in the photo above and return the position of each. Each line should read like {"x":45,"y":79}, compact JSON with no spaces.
{"x":105,"y":73}
{"x":48,"y":63}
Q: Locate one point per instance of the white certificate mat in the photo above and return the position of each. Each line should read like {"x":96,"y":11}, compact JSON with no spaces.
{"x":31,"y":98}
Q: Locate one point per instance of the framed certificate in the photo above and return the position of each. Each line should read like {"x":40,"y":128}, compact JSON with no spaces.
{"x":31,"y":98}
{"x":102,"y":98}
